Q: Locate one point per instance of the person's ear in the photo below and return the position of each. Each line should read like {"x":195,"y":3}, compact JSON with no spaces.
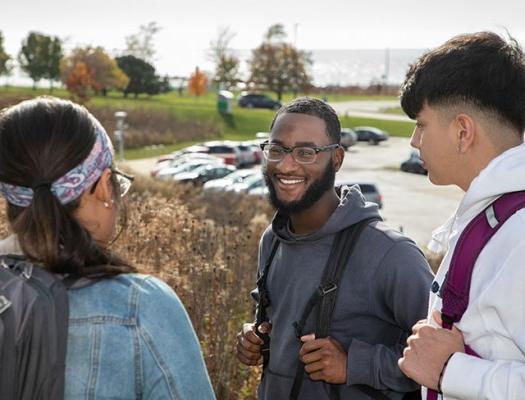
{"x":466,"y":131}
{"x":104,"y":189}
{"x":339,"y":156}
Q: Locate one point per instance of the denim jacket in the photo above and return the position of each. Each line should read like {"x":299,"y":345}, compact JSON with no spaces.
{"x":130,"y":338}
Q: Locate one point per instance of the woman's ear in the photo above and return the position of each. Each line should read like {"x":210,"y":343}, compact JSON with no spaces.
{"x":104,"y":189}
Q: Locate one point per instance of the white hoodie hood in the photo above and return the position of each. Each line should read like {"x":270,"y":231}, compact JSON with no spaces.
{"x":504,"y":174}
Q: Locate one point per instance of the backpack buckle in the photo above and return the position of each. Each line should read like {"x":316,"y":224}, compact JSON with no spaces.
{"x":27,"y":271}
{"x":327,"y":288}
{"x":298,"y":329}
{"x":4,"y":304}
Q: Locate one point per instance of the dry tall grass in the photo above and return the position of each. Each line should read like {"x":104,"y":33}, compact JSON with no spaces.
{"x":207,"y":251}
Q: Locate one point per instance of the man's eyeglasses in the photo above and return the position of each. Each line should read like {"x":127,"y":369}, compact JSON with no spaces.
{"x":124,"y":181}
{"x":301,"y":154}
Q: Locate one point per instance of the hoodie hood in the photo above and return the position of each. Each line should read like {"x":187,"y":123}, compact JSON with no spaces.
{"x":504,"y":174}
{"x":352,"y":208}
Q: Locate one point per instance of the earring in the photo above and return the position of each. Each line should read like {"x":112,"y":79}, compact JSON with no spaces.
{"x":106,"y":204}
{"x":459,"y":148}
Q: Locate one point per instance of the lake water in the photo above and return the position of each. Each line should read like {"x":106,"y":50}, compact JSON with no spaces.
{"x":330,"y":67}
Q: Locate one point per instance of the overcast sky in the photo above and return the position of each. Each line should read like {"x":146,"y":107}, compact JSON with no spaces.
{"x":189,"y":26}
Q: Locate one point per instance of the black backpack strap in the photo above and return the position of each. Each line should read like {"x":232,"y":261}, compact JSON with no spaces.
{"x":326,"y":294}
{"x":264,"y":302}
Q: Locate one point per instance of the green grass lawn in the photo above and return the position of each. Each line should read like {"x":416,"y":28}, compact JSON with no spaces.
{"x":244,"y":124}
{"x":394,"y":110}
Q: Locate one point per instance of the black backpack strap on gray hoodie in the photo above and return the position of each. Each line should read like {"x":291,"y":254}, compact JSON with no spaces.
{"x":325,"y":296}
{"x":264,"y":302}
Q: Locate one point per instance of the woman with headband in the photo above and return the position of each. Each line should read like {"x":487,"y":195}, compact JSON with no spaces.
{"x":129,"y":335}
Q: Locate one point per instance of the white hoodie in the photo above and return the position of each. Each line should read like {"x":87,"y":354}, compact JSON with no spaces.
{"x":494,"y":323}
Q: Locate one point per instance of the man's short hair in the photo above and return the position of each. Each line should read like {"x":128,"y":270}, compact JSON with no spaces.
{"x":316,"y":108}
{"x":479,"y":69}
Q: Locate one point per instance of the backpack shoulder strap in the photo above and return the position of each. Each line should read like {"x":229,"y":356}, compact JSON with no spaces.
{"x":326,"y":295}
{"x":333,"y":273}
{"x":264,"y":301}
{"x":470,"y":244}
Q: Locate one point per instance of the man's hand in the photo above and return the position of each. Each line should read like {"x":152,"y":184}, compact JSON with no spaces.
{"x":324,"y":359}
{"x":427,"y":351}
{"x":249,"y":344}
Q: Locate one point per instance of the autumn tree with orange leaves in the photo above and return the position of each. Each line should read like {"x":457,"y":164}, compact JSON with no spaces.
{"x":93,"y":67}
{"x":198,"y":83}
{"x":78,"y":82}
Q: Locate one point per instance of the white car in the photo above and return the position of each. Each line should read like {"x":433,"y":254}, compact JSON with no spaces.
{"x":220,"y":185}
{"x":167,"y":174}
{"x":250,"y":183}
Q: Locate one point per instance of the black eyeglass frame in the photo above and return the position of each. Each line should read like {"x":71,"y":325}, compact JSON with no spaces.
{"x":116,"y":171}
{"x":289,"y":150}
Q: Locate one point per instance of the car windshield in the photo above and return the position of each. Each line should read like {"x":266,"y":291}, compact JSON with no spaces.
{"x":252,"y":179}
{"x":221,"y":149}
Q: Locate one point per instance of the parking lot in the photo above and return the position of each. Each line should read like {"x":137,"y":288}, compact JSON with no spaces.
{"x":411,"y":202}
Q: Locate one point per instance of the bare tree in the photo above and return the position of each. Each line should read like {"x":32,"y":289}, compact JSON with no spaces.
{"x":141,"y":44}
{"x":226,"y":62}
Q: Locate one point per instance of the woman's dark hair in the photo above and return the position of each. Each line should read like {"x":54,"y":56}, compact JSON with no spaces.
{"x":316,"y":108}
{"x":40,"y":141}
{"x":481,"y":69}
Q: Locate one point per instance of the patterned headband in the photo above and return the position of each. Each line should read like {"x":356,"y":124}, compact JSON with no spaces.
{"x":70,"y":186}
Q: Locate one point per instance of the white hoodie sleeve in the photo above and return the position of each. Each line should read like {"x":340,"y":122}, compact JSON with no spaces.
{"x":468,"y":377}
{"x":498,"y":309}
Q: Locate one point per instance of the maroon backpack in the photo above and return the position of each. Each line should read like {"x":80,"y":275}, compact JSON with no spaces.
{"x":479,"y":231}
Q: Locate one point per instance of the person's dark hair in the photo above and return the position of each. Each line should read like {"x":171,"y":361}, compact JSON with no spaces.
{"x":480,"y":69}
{"x":40,"y":141}
{"x":316,"y":108}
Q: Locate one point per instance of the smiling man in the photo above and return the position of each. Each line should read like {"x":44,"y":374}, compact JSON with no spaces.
{"x":381,"y":291}
{"x":468,"y":98}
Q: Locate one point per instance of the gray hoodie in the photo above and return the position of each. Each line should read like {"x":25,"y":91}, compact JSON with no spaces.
{"x":383,"y":292}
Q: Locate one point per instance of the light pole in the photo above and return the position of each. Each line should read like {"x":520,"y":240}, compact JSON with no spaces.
{"x":120,"y":116}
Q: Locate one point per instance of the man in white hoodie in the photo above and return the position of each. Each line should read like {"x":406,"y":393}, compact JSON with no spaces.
{"x":468,"y":98}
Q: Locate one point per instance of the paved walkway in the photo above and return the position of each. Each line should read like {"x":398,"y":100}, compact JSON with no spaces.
{"x":369,"y":109}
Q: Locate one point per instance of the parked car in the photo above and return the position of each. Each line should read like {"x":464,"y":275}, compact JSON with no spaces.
{"x":168,"y":173}
{"x":369,"y":190}
{"x":253,"y":100}
{"x":220,"y":185}
{"x":414,"y":164}
{"x":179,"y":159}
{"x":255,"y":147}
{"x":370,"y":134}
{"x":253,"y":181}
{"x":247,"y":155}
{"x":229,"y":152}
{"x":205,"y":173}
{"x":348,"y":138}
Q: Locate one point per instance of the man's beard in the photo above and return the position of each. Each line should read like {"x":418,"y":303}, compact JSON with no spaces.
{"x":314,"y":192}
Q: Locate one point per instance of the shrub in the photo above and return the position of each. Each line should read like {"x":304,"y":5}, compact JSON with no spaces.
{"x":147,"y":126}
{"x":207,"y":251}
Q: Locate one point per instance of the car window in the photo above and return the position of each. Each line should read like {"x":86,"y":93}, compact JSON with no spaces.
{"x":221,"y":149}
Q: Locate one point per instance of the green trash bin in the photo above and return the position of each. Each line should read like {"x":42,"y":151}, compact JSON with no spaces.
{"x":224,"y":101}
